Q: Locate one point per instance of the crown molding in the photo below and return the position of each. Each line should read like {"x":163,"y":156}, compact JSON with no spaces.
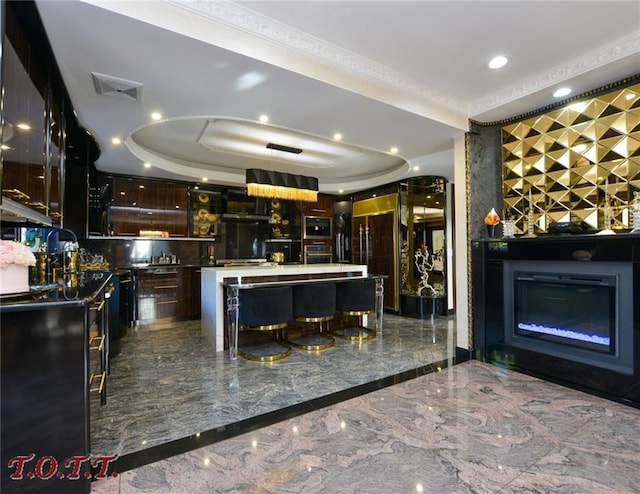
{"x":267,"y":29}
{"x":612,"y":52}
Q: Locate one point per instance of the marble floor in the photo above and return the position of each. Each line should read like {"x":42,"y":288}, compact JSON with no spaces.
{"x":468,"y":428}
{"x":168,"y":392}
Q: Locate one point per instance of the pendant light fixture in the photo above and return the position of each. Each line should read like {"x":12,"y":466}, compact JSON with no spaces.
{"x":277,"y":185}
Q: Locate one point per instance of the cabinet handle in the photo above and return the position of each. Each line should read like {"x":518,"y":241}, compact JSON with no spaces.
{"x":167,"y":302}
{"x":96,"y":343}
{"x":110,"y":289}
{"x":166,"y":286}
{"x":98,"y":306}
{"x":318,"y":210}
{"x":93,"y":377}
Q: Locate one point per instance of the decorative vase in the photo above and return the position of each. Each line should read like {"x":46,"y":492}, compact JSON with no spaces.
{"x":491,"y":230}
{"x":14,"y":278}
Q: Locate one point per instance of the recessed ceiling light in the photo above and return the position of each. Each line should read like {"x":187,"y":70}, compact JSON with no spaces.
{"x":156,"y":115}
{"x":394,"y":150}
{"x":147,"y":165}
{"x":337,"y":136}
{"x":340,"y":191}
{"x":497,"y":62}
{"x":23,"y":126}
{"x":563,"y":91}
{"x":5,"y":146}
{"x":116,"y":141}
{"x":205,"y":179}
{"x":416,"y":168}
{"x":264,"y":118}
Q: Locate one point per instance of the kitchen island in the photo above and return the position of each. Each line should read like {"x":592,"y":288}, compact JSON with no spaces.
{"x":213,"y":297}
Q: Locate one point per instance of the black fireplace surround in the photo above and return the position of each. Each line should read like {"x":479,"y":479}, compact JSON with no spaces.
{"x":564,"y":308}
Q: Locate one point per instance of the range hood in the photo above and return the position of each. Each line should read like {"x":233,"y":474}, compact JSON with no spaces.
{"x":12,"y":211}
{"x":244,"y":217}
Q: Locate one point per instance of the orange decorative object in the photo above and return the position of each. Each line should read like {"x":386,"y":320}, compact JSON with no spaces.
{"x":492,"y":218}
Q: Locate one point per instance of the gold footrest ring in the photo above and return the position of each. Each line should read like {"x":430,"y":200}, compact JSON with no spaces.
{"x":312,"y":342}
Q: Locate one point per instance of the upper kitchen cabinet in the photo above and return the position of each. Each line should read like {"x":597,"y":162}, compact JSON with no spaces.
{"x":205,"y":208}
{"x":322,"y":207}
{"x":32,"y":126}
{"x":148,"y":208}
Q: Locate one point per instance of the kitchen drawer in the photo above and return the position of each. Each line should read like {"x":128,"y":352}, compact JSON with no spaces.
{"x":161,"y":294}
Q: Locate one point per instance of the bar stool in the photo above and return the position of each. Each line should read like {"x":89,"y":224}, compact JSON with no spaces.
{"x":313,"y":302}
{"x":265,"y":309}
{"x":356,"y":297}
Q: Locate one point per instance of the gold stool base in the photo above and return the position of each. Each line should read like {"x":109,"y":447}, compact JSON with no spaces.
{"x":312,"y":342}
{"x":265,"y":352}
{"x":358,"y":333}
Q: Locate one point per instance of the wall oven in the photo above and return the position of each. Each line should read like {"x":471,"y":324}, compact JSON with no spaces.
{"x":316,"y":227}
{"x":317,"y":253}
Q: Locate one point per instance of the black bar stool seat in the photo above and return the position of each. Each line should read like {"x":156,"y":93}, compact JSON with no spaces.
{"x":355,"y":298}
{"x":313,"y":302}
{"x":267,"y":310}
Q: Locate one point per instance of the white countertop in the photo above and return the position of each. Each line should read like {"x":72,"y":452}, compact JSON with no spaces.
{"x":213,"y":297}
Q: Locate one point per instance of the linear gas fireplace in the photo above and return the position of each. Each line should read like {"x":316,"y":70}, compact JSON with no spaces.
{"x":580,"y":311}
{"x":564,"y":308}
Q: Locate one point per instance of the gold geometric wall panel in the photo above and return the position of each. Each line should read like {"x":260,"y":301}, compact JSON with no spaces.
{"x":573,"y":159}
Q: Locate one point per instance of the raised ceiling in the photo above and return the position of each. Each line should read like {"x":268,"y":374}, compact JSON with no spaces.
{"x":383,"y":74}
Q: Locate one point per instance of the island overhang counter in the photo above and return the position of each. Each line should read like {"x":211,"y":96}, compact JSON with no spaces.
{"x":213,"y":297}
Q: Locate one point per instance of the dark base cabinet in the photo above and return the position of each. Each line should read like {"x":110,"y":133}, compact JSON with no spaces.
{"x":423,"y":307}
{"x":54,"y":356}
{"x":44,"y":398}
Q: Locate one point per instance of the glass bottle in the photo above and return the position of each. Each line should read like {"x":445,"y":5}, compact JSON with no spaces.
{"x":635,"y":211}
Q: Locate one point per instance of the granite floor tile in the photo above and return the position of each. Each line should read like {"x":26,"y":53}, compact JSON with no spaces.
{"x":470,"y":428}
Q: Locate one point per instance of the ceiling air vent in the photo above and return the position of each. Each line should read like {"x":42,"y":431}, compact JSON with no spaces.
{"x":114,"y":86}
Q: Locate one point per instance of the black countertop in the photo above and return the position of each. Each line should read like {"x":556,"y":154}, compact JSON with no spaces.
{"x":72,"y":291}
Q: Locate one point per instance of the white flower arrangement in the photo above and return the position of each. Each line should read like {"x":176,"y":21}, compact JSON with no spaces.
{"x":15,"y":253}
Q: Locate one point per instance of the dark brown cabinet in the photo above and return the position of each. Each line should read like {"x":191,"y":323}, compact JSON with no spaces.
{"x":148,"y":208}
{"x":323,"y":207}
{"x":33,"y":126}
{"x":205,"y":208}
{"x":374,"y":243}
{"x":161,"y":294}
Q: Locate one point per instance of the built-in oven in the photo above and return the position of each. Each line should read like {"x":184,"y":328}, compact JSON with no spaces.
{"x":318,"y":252}
{"x":316,"y":227}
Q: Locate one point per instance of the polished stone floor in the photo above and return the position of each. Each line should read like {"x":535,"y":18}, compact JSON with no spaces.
{"x":167,"y":385}
{"x":468,"y":428}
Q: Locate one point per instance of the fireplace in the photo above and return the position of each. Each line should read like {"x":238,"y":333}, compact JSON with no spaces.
{"x":581,"y":311}
{"x":540,"y":307}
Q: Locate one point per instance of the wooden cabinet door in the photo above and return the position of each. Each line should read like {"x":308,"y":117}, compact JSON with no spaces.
{"x":124,"y":215}
{"x":160,"y":294}
{"x":24,"y":110}
{"x":141,"y":205}
{"x":382,"y":256}
{"x":373,"y":244}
